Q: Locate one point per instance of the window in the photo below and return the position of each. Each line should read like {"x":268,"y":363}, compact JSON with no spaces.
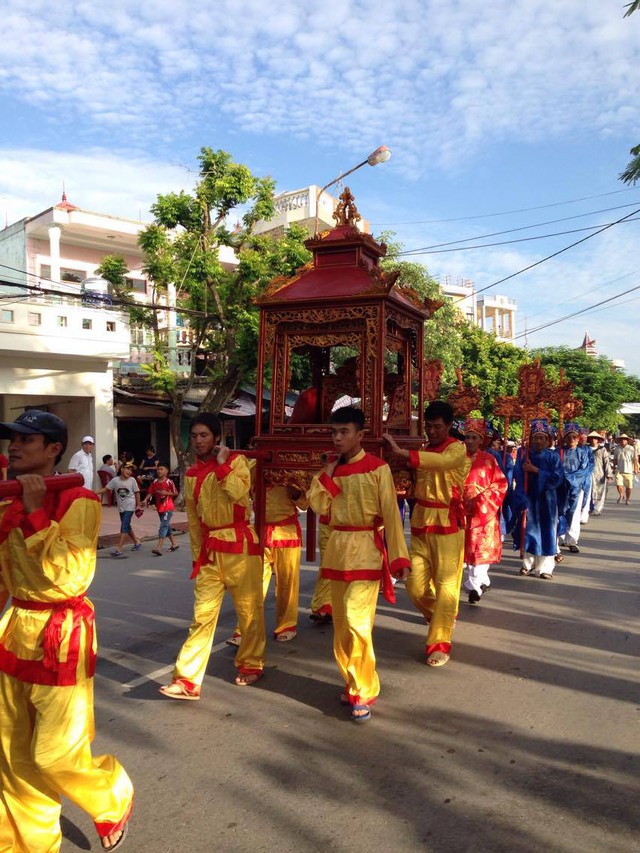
{"x":137,"y":285}
{"x":111,"y":326}
{"x":67,"y":274}
{"x":6,"y":316}
{"x":34,"y":319}
{"x":45,"y":271}
{"x":87,"y":324}
{"x":62,"y":322}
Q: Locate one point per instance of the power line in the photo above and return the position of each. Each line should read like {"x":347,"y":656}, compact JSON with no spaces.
{"x":514,"y":230}
{"x":576,"y":313}
{"x":427,"y":249}
{"x":506,"y":212}
{"x":114,"y":301}
{"x":600,"y":286}
{"x":554,"y":255}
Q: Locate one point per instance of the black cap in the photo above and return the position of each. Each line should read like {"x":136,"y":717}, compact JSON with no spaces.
{"x":35,"y":422}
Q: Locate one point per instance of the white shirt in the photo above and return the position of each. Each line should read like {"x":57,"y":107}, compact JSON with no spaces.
{"x":83,"y":463}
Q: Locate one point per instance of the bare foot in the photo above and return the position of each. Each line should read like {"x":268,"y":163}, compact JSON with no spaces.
{"x":115,"y":839}
{"x":246,"y":679}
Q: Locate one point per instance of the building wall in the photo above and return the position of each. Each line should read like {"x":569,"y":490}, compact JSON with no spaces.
{"x":12,"y":252}
{"x":82,"y":398}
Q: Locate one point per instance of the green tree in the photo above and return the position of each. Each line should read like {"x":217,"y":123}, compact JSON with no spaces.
{"x":490,"y":365}
{"x":182,"y":251}
{"x":443,"y":331}
{"x":601,"y":388}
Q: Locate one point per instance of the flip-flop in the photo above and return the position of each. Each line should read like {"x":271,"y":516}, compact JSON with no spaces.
{"x":120,"y":841}
{"x":254,"y":676}
{"x":286,"y":636}
{"x":233,"y":641}
{"x":437,"y":659}
{"x":177,"y":690}
{"x":525,"y":571}
{"x":174,"y":548}
{"x":361,"y":718}
{"x":156,"y":553}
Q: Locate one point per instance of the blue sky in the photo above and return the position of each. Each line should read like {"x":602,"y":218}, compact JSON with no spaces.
{"x":489,"y":108}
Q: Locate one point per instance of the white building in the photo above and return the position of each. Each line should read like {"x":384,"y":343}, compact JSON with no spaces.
{"x":301,"y":207}
{"x":491,"y":312}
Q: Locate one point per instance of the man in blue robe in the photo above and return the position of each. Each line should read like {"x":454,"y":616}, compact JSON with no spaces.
{"x":577,"y":473}
{"x":537,"y":499}
{"x":587,"y":495}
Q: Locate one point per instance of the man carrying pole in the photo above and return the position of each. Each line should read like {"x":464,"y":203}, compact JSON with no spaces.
{"x":47,"y":652}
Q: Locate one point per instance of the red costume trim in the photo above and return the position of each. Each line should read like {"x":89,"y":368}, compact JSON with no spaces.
{"x":104,"y":828}
{"x":378,"y":539}
{"x":366,"y":465}
{"x":247,"y":670}
{"x":325,"y":480}
{"x":439,"y":647}
{"x":51,"y":671}
{"x":283,"y":543}
{"x":351,"y":575}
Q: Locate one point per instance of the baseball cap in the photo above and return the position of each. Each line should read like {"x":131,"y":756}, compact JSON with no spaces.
{"x":87,"y":438}
{"x":35,"y":422}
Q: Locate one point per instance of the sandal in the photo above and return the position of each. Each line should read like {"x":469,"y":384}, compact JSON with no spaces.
{"x":437,"y":659}
{"x":178,"y":690}
{"x":120,"y":841}
{"x":286,"y":636}
{"x":363,"y":717}
{"x":233,"y":640}
{"x":156,"y":553}
{"x":545,"y":576}
{"x":247,"y":679}
{"x":559,"y":558}
{"x":174,"y":548}
{"x":525,"y":571}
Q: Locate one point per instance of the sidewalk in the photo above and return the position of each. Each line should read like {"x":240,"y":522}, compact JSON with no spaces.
{"x":146,"y":527}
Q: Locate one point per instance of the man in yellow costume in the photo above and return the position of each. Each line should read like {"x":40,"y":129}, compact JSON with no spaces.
{"x":282,"y":544}
{"x":321,"y":598}
{"x":437,"y":528}
{"x":226,"y":555}
{"x":47,"y":653}
{"x":356,"y":491}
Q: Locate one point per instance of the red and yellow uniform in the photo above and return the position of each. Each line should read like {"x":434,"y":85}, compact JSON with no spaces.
{"x":283,"y":541}
{"x":321,"y":600}
{"x":437,"y":538}
{"x":47,"y":659}
{"x":226,"y":555}
{"x":359,"y":499}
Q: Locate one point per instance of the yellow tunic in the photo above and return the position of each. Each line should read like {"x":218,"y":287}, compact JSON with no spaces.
{"x":225,"y":553}
{"x":47,"y":656}
{"x":437,"y":538}
{"x":358,"y":500}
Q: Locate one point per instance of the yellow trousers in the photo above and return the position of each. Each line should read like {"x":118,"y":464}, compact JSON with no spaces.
{"x":321,"y":600}
{"x":45,"y":754}
{"x":242,"y":576}
{"x":284,"y":563}
{"x":434,"y":583}
{"x":354,"y":608}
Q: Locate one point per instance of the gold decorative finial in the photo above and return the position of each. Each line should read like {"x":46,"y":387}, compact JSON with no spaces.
{"x":346,"y":213}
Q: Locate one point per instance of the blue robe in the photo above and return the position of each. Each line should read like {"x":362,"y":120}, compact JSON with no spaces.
{"x":577,"y":475}
{"x":586,"y":495}
{"x":540,"y":502}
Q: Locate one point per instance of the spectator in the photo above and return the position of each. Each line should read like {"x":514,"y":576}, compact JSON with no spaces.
{"x":163,"y":491}
{"x":82,"y":462}
{"x":108,"y":464}
{"x":128,"y":499}
{"x":626,"y":462}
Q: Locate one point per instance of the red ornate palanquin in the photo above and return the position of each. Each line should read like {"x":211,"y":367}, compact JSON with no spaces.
{"x":361,"y":335}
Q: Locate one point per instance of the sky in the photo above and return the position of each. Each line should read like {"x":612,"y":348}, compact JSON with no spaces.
{"x":501,"y":117}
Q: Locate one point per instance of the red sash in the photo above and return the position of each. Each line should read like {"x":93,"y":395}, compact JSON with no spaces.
{"x":387,"y":584}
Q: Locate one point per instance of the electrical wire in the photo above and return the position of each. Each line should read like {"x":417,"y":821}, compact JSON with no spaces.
{"x":576,"y":313}
{"x":506,"y":212}
{"x":428,"y":251}
{"x":584,"y":293}
{"x":550,"y":257}
{"x":514,"y":230}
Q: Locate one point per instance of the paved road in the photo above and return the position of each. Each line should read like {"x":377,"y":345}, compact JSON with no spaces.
{"x":526,"y":741}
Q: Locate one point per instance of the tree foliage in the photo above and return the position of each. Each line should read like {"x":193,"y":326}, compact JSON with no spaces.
{"x":182,"y":250}
{"x":601,"y":388}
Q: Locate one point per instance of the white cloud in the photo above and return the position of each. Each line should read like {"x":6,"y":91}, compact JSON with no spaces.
{"x":414,"y":75}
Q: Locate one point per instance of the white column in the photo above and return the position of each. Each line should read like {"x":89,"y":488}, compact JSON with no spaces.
{"x":55,"y":233}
